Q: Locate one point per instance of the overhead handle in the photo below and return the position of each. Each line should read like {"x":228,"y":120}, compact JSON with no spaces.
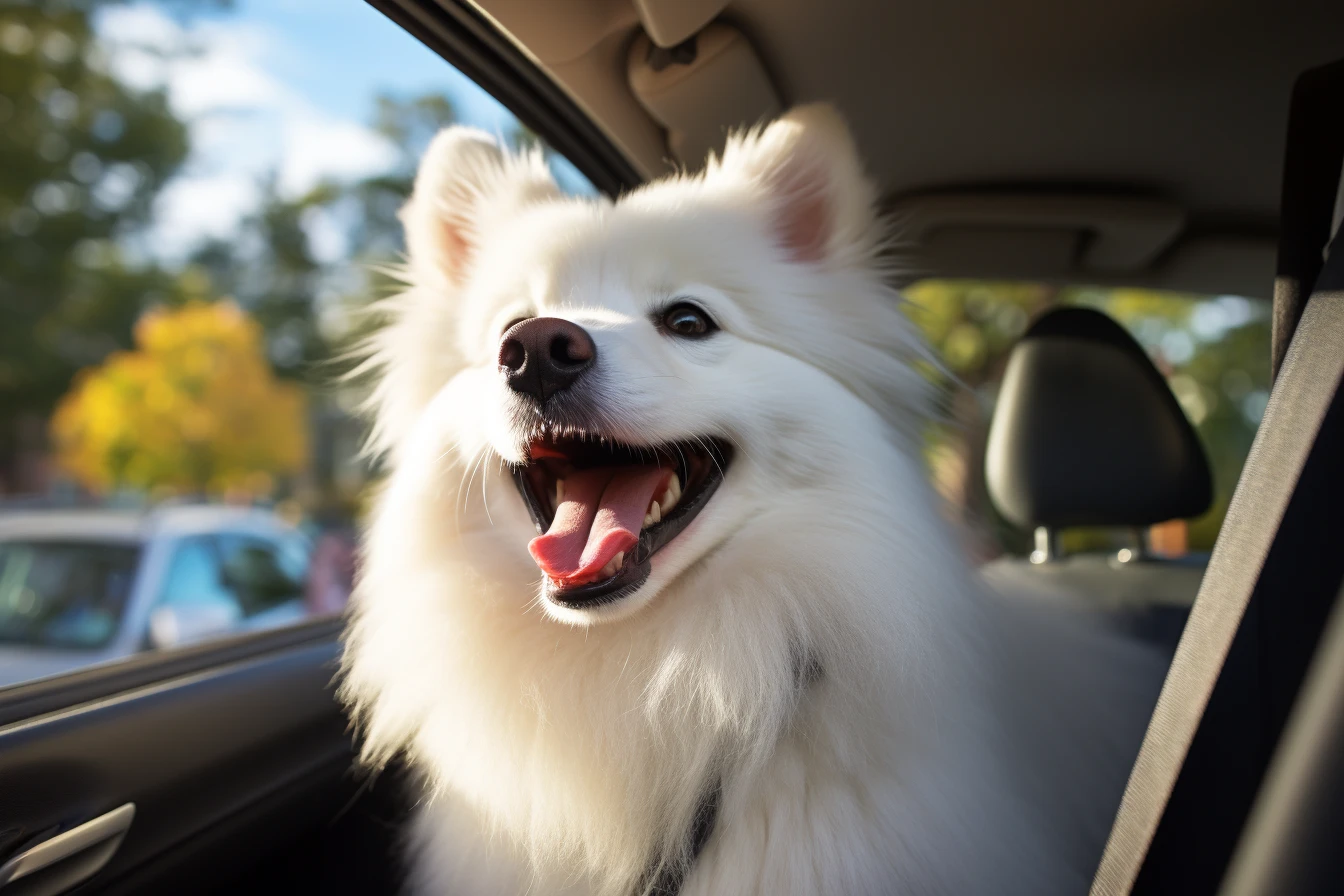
{"x":1109,"y":234}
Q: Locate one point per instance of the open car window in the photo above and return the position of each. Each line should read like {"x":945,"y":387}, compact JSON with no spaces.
{"x":198,"y":205}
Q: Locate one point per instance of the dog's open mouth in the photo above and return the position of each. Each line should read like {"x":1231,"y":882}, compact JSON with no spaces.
{"x":604,"y":509}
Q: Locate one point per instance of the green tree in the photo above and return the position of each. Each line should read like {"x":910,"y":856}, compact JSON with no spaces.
{"x":82,"y":157}
{"x":270,"y":266}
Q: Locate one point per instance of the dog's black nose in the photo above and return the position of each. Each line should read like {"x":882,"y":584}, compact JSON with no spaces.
{"x":544,"y":355}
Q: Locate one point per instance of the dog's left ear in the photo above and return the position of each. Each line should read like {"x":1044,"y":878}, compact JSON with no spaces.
{"x":465,"y":182}
{"x":808,"y":169}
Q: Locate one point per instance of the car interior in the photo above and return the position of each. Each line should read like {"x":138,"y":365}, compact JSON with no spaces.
{"x":1184,"y":145}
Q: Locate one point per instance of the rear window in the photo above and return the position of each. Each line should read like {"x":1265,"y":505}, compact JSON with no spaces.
{"x":63,"y":594}
{"x":1212,"y":349}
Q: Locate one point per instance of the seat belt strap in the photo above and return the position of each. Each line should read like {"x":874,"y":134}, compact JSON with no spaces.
{"x":1306,"y":386}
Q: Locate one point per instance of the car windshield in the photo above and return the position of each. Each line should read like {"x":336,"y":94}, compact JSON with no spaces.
{"x":63,"y":594}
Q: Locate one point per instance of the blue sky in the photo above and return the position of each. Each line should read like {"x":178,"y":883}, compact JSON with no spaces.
{"x":347,"y":50}
{"x":281,"y":88}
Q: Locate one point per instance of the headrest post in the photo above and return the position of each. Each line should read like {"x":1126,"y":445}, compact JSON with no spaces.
{"x":1047,"y":545}
{"x":1138,"y":549}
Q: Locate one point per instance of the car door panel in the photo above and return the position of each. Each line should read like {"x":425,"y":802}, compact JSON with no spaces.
{"x":191,"y":752}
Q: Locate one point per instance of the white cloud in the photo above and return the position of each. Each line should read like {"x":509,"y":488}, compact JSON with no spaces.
{"x":205,"y":67}
{"x":317,"y":147}
{"x":190,"y":209}
{"x":221,"y":78}
{"x":141,"y":25}
{"x":245,"y":124}
{"x":326,"y":237}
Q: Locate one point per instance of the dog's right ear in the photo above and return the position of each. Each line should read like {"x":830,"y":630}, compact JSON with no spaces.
{"x":464,"y":180}
{"x":806,"y":168}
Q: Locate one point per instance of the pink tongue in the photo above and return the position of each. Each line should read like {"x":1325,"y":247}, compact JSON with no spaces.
{"x":601,"y":514}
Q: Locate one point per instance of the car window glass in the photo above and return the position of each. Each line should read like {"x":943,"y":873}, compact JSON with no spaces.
{"x":1212,"y":349}
{"x":198,"y":205}
{"x":259,"y":574}
{"x":62,"y":595}
{"x":195,"y":576}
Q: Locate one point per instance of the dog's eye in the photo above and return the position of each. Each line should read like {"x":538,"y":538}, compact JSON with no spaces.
{"x":687,"y":320}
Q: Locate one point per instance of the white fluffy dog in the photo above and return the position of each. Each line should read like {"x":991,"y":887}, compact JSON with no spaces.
{"x":657,"y":597}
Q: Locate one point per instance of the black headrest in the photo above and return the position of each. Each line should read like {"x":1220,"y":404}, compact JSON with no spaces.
{"x":1087,"y":433}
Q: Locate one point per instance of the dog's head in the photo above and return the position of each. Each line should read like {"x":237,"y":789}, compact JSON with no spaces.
{"x":657,"y":376}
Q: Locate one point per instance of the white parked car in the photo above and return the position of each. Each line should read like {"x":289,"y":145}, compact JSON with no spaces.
{"x":79,"y":587}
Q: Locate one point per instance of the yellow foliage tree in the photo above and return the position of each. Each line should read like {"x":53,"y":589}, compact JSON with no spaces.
{"x":195,"y":408}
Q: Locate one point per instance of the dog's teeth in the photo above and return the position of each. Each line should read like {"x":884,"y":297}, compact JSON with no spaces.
{"x":655,"y":514}
{"x":671,"y":496}
{"x":559,"y":491}
{"x":613,"y":566}
{"x":673,"y":493}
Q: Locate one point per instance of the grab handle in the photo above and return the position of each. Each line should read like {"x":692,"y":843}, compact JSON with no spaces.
{"x":69,"y":858}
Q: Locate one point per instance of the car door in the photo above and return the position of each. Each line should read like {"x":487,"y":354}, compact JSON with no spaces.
{"x":224,"y":764}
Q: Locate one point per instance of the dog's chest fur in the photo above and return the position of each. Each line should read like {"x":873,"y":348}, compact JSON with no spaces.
{"x":980,"y":751}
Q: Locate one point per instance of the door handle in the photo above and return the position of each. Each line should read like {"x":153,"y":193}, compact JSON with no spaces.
{"x":72,"y":857}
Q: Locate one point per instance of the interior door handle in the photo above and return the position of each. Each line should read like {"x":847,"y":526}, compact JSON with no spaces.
{"x":58,"y":863}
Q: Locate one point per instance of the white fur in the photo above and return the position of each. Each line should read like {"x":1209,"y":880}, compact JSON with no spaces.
{"x":950,"y":744}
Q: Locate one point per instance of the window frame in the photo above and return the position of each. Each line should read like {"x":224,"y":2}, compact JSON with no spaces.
{"x":464,"y":38}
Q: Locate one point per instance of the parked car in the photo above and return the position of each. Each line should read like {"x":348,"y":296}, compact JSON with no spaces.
{"x":86,"y":586}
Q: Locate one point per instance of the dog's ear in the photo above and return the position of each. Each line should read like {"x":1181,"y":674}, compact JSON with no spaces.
{"x":807,"y":168}
{"x":464,"y":180}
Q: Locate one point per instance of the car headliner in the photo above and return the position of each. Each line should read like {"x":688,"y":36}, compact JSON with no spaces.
{"x":1184,"y":103}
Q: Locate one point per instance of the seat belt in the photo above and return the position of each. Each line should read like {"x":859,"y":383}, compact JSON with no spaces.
{"x":1306,"y":387}
{"x":1308,"y":354}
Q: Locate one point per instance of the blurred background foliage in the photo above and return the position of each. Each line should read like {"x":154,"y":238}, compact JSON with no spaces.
{"x":194,"y":409}
{"x":83,"y":158}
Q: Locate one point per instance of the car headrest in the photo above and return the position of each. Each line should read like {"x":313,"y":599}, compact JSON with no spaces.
{"x":1087,"y":433}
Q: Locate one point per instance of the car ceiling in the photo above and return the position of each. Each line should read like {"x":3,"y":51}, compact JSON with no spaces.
{"x":1186,"y":99}
{"x":1181,"y":105}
